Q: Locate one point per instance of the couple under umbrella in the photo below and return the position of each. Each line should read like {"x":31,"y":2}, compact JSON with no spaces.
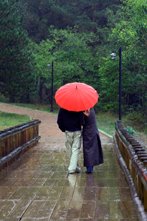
{"x":77,"y":119}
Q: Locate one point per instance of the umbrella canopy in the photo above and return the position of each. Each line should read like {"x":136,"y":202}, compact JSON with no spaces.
{"x":76,"y":96}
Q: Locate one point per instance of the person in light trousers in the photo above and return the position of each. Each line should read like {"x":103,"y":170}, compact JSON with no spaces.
{"x":71,"y":123}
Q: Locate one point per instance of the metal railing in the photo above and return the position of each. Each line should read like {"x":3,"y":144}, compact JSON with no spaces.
{"x":15,"y":140}
{"x":133,"y":158}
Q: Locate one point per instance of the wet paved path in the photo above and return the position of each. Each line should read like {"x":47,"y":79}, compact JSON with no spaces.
{"x":36,"y":186}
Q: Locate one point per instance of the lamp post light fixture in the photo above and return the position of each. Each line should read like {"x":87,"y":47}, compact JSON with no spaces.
{"x":113,"y":56}
{"x":52,"y":84}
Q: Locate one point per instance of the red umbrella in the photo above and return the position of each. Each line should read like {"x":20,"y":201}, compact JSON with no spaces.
{"x":76,"y":96}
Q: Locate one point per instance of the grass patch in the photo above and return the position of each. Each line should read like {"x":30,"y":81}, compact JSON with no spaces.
{"x":106,"y":122}
{"x":10,"y":119}
{"x":42,"y":107}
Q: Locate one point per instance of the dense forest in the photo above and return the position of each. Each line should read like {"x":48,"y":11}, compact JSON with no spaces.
{"x":78,"y":36}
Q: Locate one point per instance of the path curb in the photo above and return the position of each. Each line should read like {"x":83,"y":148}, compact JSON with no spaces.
{"x":108,"y":135}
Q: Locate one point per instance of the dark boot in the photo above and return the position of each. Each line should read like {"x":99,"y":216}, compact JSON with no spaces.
{"x":89,"y":169}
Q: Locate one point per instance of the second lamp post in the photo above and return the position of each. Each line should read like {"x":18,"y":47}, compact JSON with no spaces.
{"x":52,"y":85}
{"x":113,"y":56}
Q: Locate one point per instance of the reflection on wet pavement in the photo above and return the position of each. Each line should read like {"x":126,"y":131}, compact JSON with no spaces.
{"x":36,"y":188}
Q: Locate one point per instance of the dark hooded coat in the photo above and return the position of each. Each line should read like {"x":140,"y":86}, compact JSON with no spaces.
{"x":92,"y":149}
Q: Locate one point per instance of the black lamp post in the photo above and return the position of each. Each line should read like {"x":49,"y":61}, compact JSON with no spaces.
{"x":120,"y":83}
{"x":113,"y":56}
{"x":52,"y":84}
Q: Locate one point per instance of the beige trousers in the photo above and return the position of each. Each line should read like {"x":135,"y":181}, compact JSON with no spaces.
{"x":73,"y":144}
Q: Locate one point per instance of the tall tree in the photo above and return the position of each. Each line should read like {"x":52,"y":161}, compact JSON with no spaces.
{"x":16,"y":69}
{"x":87,"y":16}
{"x":72,"y":55}
{"x":130,"y":34}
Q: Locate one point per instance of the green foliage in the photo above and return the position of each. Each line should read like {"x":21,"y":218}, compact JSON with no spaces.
{"x":130,"y":130}
{"x":109,"y":84}
{"x":3,"y":98}
{"x":73,"y":58}
{"x":136,"y":119}
{"x":16,"y":67}
{"x":130,"y":34}
{"x":86,"y":16}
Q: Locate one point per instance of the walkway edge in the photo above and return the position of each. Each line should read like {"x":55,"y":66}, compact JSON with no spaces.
{"x":103,"y":132}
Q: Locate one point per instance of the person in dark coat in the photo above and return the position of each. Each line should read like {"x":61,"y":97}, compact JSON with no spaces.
{"x":92,"y":149}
